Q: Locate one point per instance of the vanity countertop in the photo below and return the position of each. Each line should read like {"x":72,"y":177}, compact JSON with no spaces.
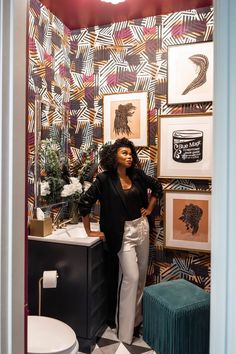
{"x":71,"y":234}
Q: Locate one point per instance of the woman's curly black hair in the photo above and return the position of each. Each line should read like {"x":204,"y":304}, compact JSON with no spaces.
{"x":108,"y":155}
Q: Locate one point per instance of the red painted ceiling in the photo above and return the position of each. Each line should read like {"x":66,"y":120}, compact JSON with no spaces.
{"x":87,"y":13}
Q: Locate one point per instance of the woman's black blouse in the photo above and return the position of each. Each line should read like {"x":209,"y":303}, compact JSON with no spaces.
{"x":133,"y":202}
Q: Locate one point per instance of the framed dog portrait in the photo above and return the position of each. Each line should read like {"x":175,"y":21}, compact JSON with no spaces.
{"x":190,"y":73}
{"x":125,"y":115}
{"x":185,"y":146}
{"x":188,"y":220}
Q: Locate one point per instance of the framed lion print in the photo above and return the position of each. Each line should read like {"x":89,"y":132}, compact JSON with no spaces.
{"x":125,"y":115}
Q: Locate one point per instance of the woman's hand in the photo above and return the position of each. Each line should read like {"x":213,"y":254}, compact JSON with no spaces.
{"x":145,"y":212}
{"x":96,"y":234}
{"x":151,"y":205}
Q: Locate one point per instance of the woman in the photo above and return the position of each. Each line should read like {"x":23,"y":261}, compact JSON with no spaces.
{"x":122,"y":192}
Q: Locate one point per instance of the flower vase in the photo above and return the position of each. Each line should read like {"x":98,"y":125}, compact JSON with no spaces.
{"x":74,"y":212}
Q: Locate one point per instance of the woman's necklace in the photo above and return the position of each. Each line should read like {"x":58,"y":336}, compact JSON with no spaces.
{"x":126,"y":182}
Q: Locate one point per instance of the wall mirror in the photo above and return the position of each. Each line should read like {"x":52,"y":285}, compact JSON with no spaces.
{"x":51,"y":152}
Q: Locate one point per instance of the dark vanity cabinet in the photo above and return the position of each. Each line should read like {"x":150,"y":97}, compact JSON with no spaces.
{"x":80,"y":298}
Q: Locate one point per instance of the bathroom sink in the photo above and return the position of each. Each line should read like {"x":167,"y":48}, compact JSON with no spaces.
{"x":77,"y":231}
{"x":71,"y":231}
{"x":71,"y":234}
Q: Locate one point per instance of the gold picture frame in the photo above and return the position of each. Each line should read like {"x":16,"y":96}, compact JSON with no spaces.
{"x":190,"y":73}
{"x":185,"y":146}
{"x":125,"y":115}
{"x":187,"y":220}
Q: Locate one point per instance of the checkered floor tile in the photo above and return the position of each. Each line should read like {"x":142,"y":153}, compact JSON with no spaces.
{"x":109,"y":344}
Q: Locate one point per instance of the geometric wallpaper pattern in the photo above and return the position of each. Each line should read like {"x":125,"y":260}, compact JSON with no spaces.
{"x":49,"y":72}
{"x":132,"y":56}
{"x":75,"y":69}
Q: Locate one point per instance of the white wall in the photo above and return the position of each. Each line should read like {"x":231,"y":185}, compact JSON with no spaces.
{"x":12,"y":172}
{"x":223,"y":306}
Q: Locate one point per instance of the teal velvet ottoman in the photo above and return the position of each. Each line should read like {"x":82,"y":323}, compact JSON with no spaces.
{"x":176,"y":318}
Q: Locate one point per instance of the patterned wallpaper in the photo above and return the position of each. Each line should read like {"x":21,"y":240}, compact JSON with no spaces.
{"x":49,"y":71}
{"x":132,"y":56}
{"x":76,"y":69}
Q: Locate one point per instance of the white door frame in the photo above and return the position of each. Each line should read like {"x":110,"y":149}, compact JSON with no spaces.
{"x":12,"y":173}
{"x":223,"y":308}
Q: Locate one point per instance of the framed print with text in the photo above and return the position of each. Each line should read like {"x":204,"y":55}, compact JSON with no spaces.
{"x":185,"y":146}
{"x":188,"y":220}
{"x":190,"y":73}
{"x":125,"y":115}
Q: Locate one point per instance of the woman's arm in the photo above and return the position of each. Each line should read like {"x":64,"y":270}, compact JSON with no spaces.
{"x":156,"y":191}
{"x":151,"y":205}
{"x":151,"y":183}
{"x":87,"y":200}
{"x":90,"y":233}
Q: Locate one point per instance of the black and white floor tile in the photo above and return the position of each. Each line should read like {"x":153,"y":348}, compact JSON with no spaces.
{"x":109,"y":344}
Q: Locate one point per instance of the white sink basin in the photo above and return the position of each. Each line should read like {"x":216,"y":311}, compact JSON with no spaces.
{"x":72,"y":234}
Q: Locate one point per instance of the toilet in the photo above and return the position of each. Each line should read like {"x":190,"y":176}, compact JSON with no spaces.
{"x":50,"y":336}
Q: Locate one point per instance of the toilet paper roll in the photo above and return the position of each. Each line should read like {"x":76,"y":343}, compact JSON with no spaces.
{"x":50,"y":279}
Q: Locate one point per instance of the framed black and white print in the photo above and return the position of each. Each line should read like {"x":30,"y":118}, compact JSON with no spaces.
{"x":125,"y":115}
{"x":185,"y":146}
{"x":187,"y":220}
{"x":190,"y":73}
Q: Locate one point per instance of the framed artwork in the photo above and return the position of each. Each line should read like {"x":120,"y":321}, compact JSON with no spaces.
{"x":190,"y":73}
{"x":185,"y":146}
{"x":188,"y":220}
{"x":125,"y":115}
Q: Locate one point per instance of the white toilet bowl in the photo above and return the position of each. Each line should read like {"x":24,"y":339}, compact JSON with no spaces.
{"x":50,"y":336}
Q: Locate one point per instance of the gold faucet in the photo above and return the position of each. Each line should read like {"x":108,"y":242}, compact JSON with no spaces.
{"x":63,"y":223}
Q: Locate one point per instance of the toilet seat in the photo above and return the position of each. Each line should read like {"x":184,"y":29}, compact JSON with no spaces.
{"x":50,"y":336}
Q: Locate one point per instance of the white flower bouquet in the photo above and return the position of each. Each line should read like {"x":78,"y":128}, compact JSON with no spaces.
{"x":74,"y":189}
{"x":72,"y":193}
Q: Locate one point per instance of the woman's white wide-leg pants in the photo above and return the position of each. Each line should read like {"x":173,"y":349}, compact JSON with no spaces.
{"x":133,"y":262}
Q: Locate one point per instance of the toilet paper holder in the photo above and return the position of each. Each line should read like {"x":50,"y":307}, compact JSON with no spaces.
{"x":49,"y":280}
